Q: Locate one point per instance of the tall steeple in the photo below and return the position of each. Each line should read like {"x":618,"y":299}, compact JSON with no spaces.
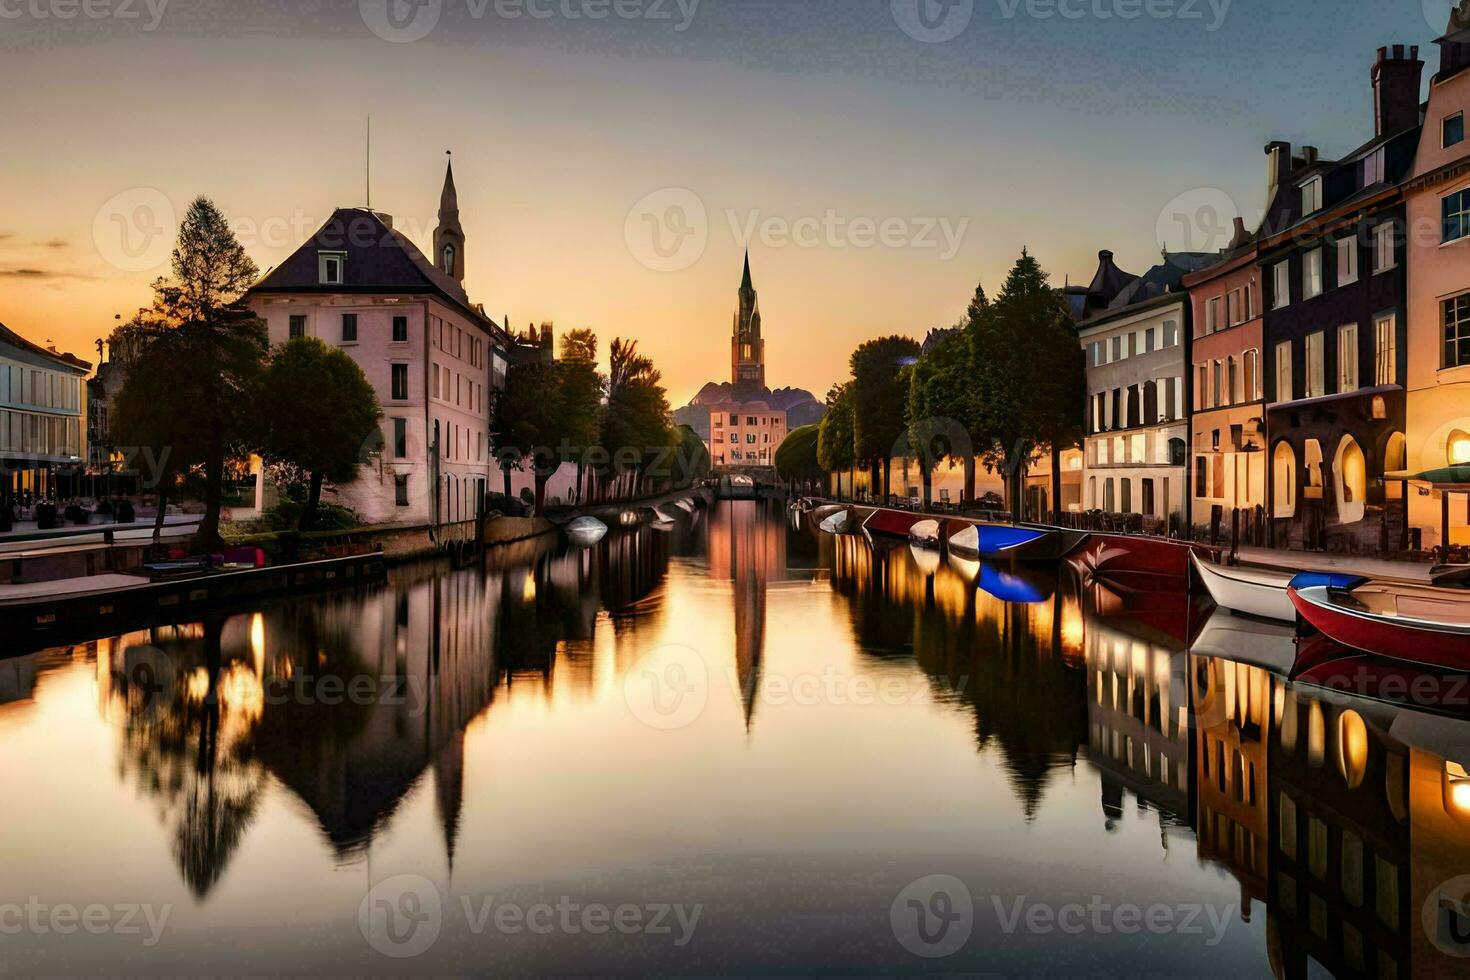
{"x":747,"y":349}
{"x":449,"y":236}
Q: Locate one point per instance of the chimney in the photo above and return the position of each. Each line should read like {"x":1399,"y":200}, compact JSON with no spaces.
{"x":1278,"y":167}
{"x":1396,"y":83}
{"x":1454,"y":46}
{"x":1310,"y":156}
{"x":1240,"y":237}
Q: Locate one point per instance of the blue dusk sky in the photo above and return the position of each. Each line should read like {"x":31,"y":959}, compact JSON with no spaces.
{"x":614,"y":157}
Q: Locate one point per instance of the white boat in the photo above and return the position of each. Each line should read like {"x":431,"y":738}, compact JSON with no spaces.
{"x":585,"y":531}
{"x":925,"y":534}
{"x":835,"y":523}
{"x":1254,"y":591}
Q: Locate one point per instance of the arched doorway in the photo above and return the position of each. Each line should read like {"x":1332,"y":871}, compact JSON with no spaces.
{"x":1283,"y":480}
{"x":1350,"y":480}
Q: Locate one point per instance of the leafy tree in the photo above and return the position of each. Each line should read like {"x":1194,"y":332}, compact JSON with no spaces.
{"x":581,"y":397}
{"x":694,"y":463}
{"x":1016,"y":342}
{"x":547,"y":415}
{"x":579,"y":345}
{"x":796,"y":457}
{"x":835,"y":447}
{"x":528,"y":413}
{"x":320,"y":413}
{"x":879,"y":398}
{"x":636,"y":424}
{"x":219,"y":344}
{"x":939,"y":390}
{"x":150,"y":421}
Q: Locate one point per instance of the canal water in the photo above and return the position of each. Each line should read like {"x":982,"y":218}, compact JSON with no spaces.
{"x":735,"y":746}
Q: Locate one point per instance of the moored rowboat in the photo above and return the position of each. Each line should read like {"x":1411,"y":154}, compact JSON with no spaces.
{"x":1417,"y":624}
{"x":1254,"y":591}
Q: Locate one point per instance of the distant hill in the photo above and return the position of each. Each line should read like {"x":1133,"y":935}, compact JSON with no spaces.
{"x":801,"y":407}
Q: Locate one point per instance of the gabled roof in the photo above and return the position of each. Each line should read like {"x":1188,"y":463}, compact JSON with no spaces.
{"x":378,"y":260}
{"x":8,"y":336}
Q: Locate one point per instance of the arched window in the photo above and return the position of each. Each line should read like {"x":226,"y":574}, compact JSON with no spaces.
{"x":1092,"y":492}
{"x":449,"y":255}
{"x":1459,"y":448}
{"x":1350,"y":476}
{"x":1395,"y":460}
{"x":1109,"y":504}
{"x":1284,"y":480}
{"x":1178,"y":452}
{"x":1252,"y":375}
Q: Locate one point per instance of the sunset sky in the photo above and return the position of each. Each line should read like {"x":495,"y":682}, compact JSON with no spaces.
{"x":1061,"y":134}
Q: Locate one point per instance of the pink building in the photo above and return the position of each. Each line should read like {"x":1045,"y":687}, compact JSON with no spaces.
{"x":745,"y":434}
{"x":1228,"y":421}
{"x":1438,"y":201}
{"x":433,"y":357}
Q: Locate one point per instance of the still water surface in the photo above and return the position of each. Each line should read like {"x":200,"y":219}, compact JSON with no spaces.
{"x":740,"y":746}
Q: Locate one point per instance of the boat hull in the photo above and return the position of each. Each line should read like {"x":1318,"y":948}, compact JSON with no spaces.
{"x":1261,"y":594}
{"x":1000,"y":541}
{"x":1445,"y":647}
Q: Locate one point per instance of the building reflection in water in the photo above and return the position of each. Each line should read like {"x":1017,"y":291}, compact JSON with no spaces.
{"x":350,"y":702}
{"x":1339,"y":818}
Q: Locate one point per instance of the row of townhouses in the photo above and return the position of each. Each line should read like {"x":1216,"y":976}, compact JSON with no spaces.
{"x":1304,"y":374}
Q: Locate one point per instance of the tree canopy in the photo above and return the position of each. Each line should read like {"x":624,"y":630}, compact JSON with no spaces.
{"x":319,"y":413}
{"x":880,"y":397}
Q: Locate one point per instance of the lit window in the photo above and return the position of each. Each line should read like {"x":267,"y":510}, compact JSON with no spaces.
{"x":1312,"y":274}
{"x":1171,"y":333}
{"x":1311,"y":196}
{"x":1284,"y":391}
{"x":1316,"y":366}
{"x":1281,"y":280}
{"x":1347,"y":358}
{"x":1384,"y":255}
{"x":1385,"y":355}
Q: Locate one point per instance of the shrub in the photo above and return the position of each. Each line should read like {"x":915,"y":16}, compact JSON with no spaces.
{"x":286,"y":516}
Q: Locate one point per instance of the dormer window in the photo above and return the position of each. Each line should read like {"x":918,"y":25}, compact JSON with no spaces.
{"x":448,"y":260}
{"x":1312,"y":196}
{"x":1373,"y":168}
{"x":330,"y":266}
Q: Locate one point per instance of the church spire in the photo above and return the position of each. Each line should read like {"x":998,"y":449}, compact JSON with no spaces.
{"x":747,"y":349}
{"x":745,"y":285}
{"x":449,"y":236}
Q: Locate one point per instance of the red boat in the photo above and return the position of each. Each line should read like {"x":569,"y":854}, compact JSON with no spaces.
{"x":1419,"y":624}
